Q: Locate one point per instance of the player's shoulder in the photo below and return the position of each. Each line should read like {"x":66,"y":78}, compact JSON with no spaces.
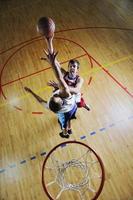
{"x":80,"y":79}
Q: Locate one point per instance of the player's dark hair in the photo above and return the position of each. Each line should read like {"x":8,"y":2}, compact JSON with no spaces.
{"x":72,"y":61}
{"x":54,"y":106}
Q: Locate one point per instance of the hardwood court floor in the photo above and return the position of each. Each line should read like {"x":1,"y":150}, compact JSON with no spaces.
{"x":100,"y":35}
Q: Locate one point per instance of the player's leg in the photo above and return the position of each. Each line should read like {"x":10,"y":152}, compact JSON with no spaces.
{"x":69,"y":130}
{"x":63,"y":121}
{"x":83,"y":104}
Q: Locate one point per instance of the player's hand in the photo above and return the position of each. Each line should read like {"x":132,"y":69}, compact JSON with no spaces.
{"x":53,"y":84}
{"x":50,"y":57}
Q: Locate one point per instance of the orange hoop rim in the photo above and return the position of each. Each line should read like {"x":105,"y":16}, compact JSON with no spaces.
{"x":97,"y":156}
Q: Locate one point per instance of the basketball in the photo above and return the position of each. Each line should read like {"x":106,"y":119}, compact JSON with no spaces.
{"x":46,"y":27}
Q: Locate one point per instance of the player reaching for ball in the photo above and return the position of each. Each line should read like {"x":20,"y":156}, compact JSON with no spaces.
{"x":46,"y":27}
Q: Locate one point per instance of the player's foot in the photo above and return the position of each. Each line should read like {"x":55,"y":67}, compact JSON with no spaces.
{"x":64,"y":135}
{"x":69,"y":131}
{"x":87,"y":107}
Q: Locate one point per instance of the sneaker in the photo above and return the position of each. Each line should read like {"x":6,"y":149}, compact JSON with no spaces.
{"x":69,"y":131}
{"x":74,"y":117}
{"x":87,"y":107}
{"x":64,"y":135}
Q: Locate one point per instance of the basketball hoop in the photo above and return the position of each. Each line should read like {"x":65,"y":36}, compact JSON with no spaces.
{"x":72,"y":170}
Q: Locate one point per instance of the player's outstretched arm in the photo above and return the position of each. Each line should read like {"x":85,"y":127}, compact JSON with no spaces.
{"x":50,"y":47}
{"x":57,"y":71}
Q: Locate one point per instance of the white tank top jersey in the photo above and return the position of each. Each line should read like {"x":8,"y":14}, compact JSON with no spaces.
{"x":68,"y":103}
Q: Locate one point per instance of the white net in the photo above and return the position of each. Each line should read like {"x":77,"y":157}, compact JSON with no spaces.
{"x":73,"y":171}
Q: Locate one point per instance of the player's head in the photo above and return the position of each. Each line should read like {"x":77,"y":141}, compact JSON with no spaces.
{"x":73,"y":66}
{"x":55,"y":104}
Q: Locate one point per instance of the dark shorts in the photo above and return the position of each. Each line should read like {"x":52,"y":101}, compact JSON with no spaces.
{"x":63,"y":118}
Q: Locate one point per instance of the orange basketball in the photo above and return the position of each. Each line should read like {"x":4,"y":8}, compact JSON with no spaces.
{"x":46,"y":27}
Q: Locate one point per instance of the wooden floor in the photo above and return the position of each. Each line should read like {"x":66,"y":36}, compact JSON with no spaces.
{"x":100,"y":35}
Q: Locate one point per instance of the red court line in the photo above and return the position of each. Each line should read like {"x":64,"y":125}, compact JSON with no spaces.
{"x":17,"y":45}
{"x":36,"y":113}
{"x":65,"y":30}
{"x":76,"y":44}
{"x":91,"y":62}
{"x":94,"y":27}
{"x":111,"y":76}
{"x":89,"y":82}
{"x":18,"y":79}
{"x":1,"y":91}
